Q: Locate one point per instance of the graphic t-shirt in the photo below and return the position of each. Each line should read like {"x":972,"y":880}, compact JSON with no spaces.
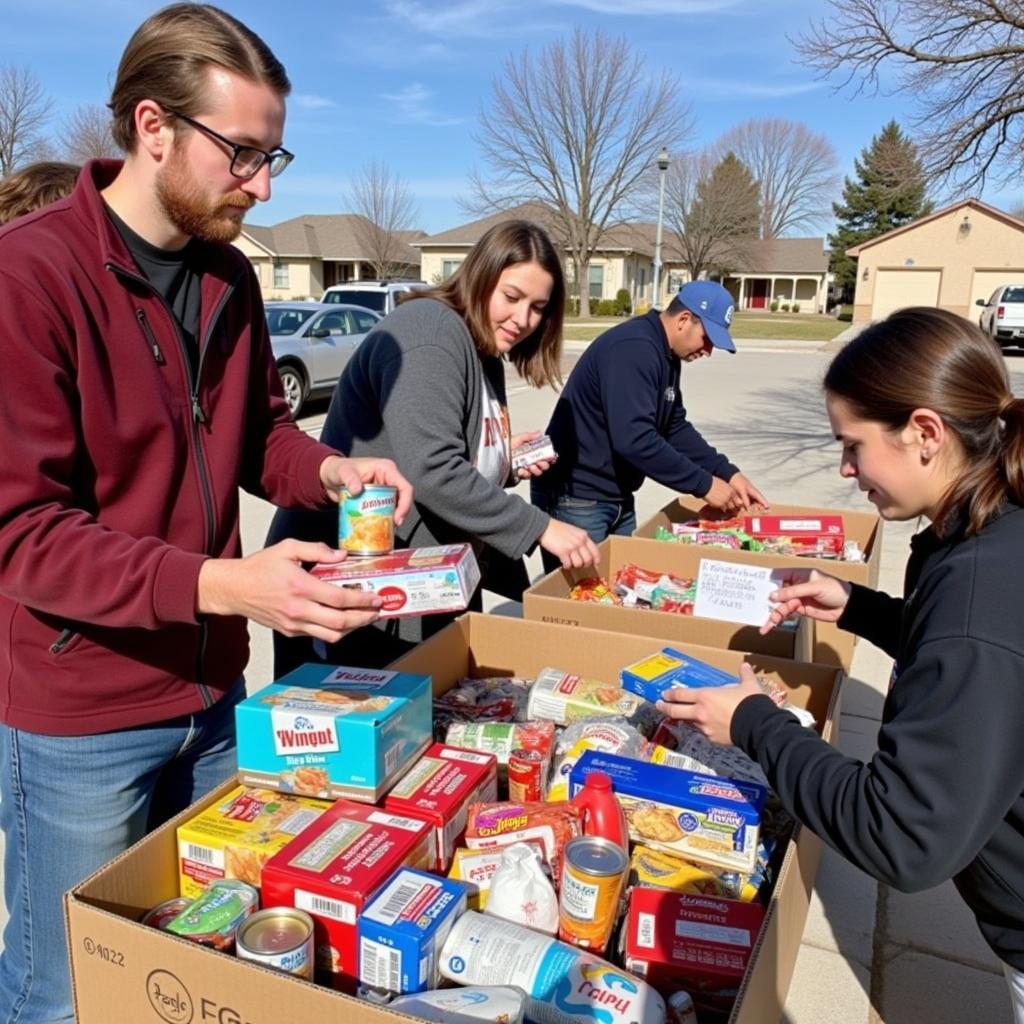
{"x":494,"y":455}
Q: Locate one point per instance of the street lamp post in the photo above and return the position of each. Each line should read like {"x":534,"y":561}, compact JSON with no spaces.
{"x":662,"y":168}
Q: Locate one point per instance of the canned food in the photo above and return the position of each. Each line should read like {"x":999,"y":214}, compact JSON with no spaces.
{"x":593,"y":872}
{"x":366,"y":521}
{"x":526,"y":775}
{"x":163,"y":913}
{"x":278,"y":937}
{"x":681,"y":1009}
{"x":212,"y":918}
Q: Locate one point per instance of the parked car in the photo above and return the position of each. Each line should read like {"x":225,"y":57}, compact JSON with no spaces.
{"x":380,"y":296}
{"x":312,"y":342}
{"x":1003,"y":315}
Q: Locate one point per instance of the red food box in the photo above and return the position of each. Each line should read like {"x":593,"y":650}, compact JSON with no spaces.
{"x":439,"y":788}
{"x":822,"y":534}
{"x":333,"y":868}
{"x":699,"y":943}
{"x":413,"y":581}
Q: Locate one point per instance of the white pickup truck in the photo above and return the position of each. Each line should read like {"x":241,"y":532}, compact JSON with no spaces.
{"x":1003,"y":315}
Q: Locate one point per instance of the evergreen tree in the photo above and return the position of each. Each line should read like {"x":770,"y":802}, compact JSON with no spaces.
{"x":888,"y":192}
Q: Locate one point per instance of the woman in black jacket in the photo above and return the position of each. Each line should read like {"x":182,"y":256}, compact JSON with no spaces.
{"x":921,"y":403}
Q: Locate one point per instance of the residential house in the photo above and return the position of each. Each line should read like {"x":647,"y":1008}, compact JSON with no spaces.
{"x":949,"y":259}
{"x":301,"y":257}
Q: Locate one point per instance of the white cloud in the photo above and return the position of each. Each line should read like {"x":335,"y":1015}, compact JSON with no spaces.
{"x":728,"y":87}
{"x":413,"y":104}
{"x":310,"y":101}
{"x":663,"y":8}
{"x":470,"y":19}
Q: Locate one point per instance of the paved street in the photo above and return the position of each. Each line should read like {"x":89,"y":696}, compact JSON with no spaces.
{"x":869,"y":954}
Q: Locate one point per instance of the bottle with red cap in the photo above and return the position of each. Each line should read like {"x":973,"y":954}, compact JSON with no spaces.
{"x":602,"y":813}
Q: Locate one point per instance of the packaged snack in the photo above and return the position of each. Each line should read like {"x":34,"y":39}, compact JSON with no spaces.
{"x":529,"y":454}
{"x":522,"y":892}
{"x":817,"y":536}
{"x":563,"y":698}
{"x":412,"y":581}
{"x":613,"y":735}
{"x":595,"y":589}
{"x":497,"y":699}
{"x":501,"y":824}
{"x":655,"y":869}
{"x":213,"y":917}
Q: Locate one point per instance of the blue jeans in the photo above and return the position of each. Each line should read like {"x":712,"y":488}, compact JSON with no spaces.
{"x":599,"y":518}
{"x":69,"y":804}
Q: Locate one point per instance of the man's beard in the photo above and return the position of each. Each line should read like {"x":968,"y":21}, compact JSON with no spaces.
{"x":190,"y":211}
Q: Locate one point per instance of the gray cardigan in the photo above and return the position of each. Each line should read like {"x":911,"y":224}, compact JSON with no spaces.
{"x":412,"y":393}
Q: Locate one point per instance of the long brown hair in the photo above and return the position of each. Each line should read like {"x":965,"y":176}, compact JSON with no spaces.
{"x":929,"y":358}
{"x":468,"y":291}
{"x":36,"y":185}
{"x":167,"y":57}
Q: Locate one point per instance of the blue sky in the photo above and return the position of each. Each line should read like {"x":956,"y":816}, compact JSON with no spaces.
{"x":404,"y":81}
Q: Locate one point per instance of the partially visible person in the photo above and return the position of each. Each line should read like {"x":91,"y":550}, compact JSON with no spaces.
{"x":427,"y":389}
{"x":36,"y":185}
{"x":140,"y":394}
{"x":921,"y":403}
{"x":621,"y":419}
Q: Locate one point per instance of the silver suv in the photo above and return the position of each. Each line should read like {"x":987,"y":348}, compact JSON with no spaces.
{"x":380,"y":296}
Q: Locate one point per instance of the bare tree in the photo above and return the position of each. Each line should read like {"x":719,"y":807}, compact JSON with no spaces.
{"x":386,"y":211}
{"x":712,"y":212}
{"x":87,"y":134}
{"x":796,"y":168}
{"x":961,"y":60}
{"x":576,"y":128}
{"x":24,"y":111}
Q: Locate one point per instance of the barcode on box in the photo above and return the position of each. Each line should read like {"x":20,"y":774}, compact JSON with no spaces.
{"x":391,"y":758}
{"x":324,"y":906}
{"x":396,"y":821}
{"x":465,"y":755}
{"x":202,"y":855}
{"x":645,"y":931}
{"x":380,"y":966}
{"x":393,"y":900}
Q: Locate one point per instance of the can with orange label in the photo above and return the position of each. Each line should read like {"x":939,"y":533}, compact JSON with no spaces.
{"x":593,"y":873}
{"x":366,"y":521}
{"x":526,"y":775}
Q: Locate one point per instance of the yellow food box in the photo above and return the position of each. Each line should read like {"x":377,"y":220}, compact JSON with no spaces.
{"x":235,"y":837}
{"x":657,"y":870}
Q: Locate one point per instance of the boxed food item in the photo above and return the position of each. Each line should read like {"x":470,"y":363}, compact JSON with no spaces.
{"x":670,"y":668}
{"x":702,"y":817}
{"x":411,"y":581}
{"x":702,"y":944}
{"x":563,"y":697}
{"x":529,"y":454}
{"x":328,"y":731}
{"x":439,"y":788}
{"x":402,"y":929}
{"x":494,"y":826}
{"x":235,"y":837}
{"x":333,"y":868}
{"x":818,"y":536}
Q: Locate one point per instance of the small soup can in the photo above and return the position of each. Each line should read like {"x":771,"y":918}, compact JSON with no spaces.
{"x":163,"y":913}
{"x":526,"y":775}
{"x":593,"y":872}
{"x":366,"y":521}
{"x":280,"y":938}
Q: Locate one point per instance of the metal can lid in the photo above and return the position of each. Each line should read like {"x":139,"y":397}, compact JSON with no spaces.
{"x":525,"y":754}
{"x":385,"y":489}
{"x":595,"y":856}
{"x":275,"y":930}
{"x":163,"y":913}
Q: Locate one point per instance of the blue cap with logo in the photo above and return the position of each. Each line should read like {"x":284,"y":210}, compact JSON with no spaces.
{"x":713,"y":305}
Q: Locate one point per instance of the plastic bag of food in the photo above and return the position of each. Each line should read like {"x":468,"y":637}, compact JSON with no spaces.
{"x":610,"y":735}
{"x":520,"y":891}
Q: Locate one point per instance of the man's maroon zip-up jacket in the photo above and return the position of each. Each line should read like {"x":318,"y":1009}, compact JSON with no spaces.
{"x":121,"y":472}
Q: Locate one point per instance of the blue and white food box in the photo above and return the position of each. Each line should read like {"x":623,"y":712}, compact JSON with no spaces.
{"x":652,"y":676}
{"x":328,"y":731}
{"x":700,"y":817}
{"x":402,"y":930}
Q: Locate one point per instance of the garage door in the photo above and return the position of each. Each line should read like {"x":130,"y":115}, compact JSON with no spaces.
{"x":895,"y":289}
{"x":987,"y":281}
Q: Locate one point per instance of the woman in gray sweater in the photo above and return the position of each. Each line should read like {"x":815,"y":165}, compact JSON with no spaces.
{"x":427,"y":389}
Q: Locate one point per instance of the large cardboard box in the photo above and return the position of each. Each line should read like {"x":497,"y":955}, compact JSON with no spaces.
{"x":831,"y":644}
{"x":548,"y":601}
{"x":151,"y":976}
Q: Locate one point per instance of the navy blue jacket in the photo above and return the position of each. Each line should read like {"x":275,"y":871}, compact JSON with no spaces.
{"x":944,"y":795}
{"x":621,"y":419}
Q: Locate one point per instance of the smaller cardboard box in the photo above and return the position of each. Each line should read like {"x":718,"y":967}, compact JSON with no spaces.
{"x":326,"y":731}
{"x":699,"y":943}
{"x":333,"y":869}
{"x":548,"y":601}
{"x":411,"y":581}
{"x":439,"y":788}
{"x":702,"y":817}
{"x":403,"y":928}
{"x":236,"y":836}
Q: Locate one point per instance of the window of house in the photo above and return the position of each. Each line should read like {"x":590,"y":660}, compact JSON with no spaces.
{"x":595,"y":276}
{"x":448,"y":267}
{"x":280,"y":275}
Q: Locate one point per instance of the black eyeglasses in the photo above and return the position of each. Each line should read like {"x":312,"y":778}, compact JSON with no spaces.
{"x":246,"y":161}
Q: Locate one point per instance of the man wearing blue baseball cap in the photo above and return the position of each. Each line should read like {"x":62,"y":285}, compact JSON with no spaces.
{"x":621,"y":418}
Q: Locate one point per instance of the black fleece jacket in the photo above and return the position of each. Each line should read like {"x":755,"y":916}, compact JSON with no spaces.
{"x":943,"y":797}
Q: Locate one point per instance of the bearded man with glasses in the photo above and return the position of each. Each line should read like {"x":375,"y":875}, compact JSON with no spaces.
{"x":140,"y":394}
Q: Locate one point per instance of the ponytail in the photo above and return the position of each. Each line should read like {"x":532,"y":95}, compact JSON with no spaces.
{"x":1011,"y":413}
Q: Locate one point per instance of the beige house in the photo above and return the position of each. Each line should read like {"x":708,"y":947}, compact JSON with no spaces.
{"x":299,"y":258}
{"x":949,"y":259}
{"x":790,"y":269}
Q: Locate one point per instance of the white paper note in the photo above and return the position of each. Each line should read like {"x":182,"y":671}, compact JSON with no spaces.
{"x":735,"y":592}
